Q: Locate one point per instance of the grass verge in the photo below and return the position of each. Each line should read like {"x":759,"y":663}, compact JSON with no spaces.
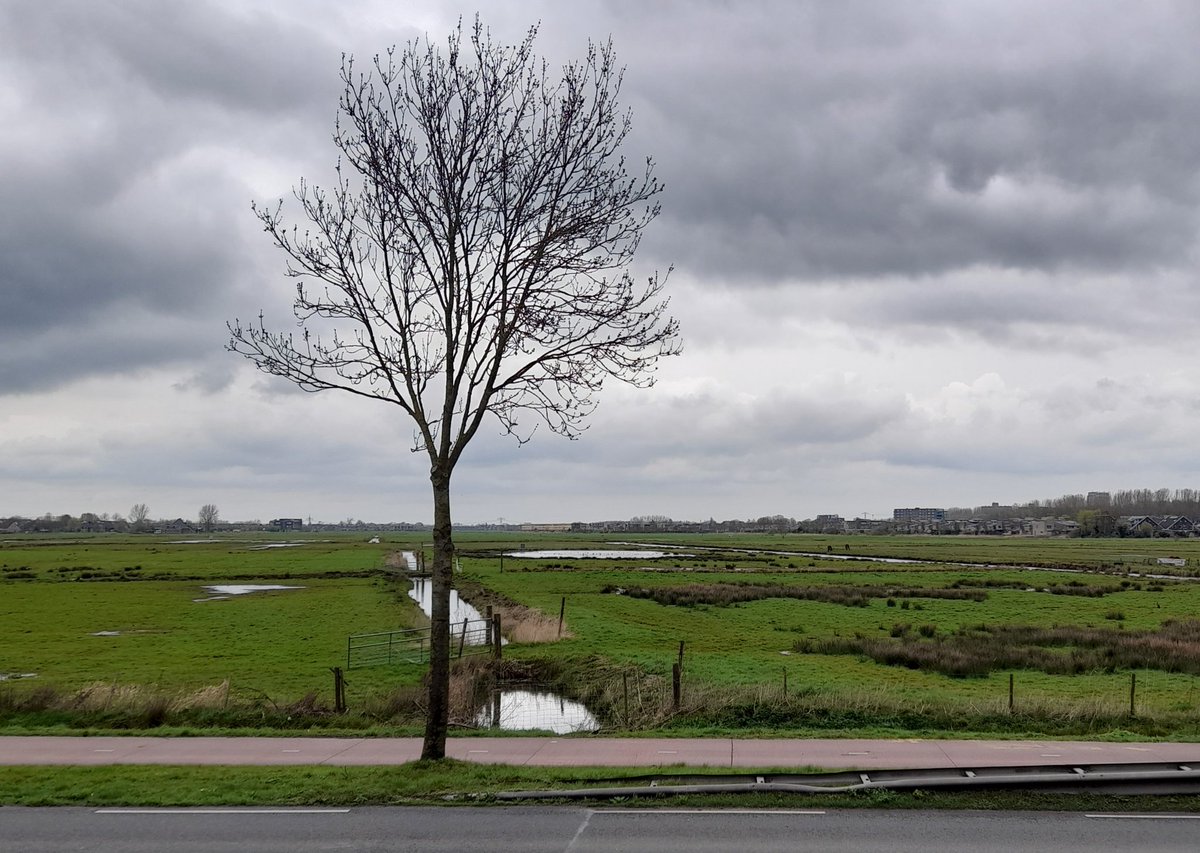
{"x":453,"y":782}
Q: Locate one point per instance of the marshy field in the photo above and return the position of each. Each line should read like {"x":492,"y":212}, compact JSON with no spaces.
{"x":685,"y":634}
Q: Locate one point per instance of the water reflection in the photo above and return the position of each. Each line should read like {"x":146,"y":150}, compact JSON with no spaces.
{"x":519,"y":710}
{"x":422,"y":593}
{"x":477,"y":633}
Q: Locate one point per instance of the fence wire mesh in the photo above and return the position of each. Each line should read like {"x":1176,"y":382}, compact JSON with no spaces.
{"x":411,"y":645}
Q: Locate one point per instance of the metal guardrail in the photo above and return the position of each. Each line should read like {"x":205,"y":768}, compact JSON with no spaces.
{"x":1147,"y":778}
{"x":411,"y":645}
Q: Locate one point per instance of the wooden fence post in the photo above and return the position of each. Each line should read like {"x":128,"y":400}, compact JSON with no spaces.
{"x":339,"y":690}
{"x":784,"y":683}
{"x":462,"y":638}
{"x":676,"y":685}
{"x":496,"y":636}
{"x":1010,"y":692}
{"x":562,"y":611}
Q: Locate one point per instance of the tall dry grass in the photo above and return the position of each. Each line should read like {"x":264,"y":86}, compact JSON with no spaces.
{"x":518,"y":622}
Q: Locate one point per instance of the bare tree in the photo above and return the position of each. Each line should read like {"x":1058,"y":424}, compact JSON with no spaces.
{"x":473,"y":258}
{"x":138,"y":514}
{"x":209,"y":516}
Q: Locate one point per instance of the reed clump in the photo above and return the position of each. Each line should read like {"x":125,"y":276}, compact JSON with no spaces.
{"x":725,"y":594}
{"x":1061,"y":650}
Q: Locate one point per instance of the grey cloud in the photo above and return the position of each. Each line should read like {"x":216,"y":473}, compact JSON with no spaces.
{"x":726,"y":433}
{"x":1087,"y":316}
{"x":882,"y":156}
{"x":118,"y":202}
{"x":232,"y":56}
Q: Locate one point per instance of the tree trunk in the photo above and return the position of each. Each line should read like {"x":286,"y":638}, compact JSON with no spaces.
{"x":438,"y":707}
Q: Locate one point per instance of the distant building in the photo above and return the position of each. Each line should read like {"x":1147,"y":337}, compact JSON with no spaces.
{"x":1099,"y":499}
{"x":285,"y":524}
{"x":919,"y":514}
{"x":829,"y":524}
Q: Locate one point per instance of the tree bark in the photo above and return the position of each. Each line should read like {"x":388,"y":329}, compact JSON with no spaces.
{"x":434,"y":746}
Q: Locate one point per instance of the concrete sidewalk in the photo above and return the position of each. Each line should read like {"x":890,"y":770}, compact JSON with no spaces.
{"x":825,"y":754}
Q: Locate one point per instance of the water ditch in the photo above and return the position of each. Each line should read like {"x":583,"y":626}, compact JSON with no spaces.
{"x":507,"y":709}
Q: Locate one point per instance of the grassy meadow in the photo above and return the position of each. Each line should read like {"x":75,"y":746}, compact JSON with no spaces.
{"x":110,"y":616}
{"x":778,"y":633}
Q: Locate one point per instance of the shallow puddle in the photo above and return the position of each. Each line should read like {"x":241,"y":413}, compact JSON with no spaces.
{"x":590,"y":554}
{"x":221,"y":592}
{"x":521,"y":710}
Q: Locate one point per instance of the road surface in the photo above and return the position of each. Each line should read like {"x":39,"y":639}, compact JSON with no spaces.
{"x":574,"y":830}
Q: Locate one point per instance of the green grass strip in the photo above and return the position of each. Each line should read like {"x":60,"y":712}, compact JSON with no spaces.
{"x":453,"y":782}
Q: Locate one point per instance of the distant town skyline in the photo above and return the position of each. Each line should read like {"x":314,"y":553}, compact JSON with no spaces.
{"x":1162,"y":501}
{"x":938,"y":253}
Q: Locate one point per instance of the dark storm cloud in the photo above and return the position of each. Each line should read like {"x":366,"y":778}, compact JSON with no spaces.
{"x":862,"y":139}
{"x":123,"y":216}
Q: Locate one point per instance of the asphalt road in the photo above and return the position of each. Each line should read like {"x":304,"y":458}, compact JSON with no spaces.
{"x":572,"y":830}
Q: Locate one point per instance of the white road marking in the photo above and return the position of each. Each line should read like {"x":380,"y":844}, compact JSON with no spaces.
{"x":291,"y":750}
{"x":1147,"y":816}
{"x":221,"y":811}
{"x":668,"y":751}
{"x":477,"y":752}
{"x":579,"y":832}
{"x":714,"y":811}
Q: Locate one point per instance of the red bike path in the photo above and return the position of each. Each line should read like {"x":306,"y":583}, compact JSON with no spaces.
{"x":826,"y":754}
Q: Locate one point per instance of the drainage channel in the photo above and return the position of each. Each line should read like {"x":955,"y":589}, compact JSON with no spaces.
{"x":1148,"y":778}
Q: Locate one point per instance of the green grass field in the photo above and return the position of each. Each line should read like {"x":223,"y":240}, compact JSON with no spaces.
{"x":275,"y":648}
{"x":145,"y":597}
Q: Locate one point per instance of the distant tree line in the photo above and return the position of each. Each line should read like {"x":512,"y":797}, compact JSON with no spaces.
{"x":1119,"y":503}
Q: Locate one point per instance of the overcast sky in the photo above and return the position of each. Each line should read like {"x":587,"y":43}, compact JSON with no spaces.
{"x":926,"y":253}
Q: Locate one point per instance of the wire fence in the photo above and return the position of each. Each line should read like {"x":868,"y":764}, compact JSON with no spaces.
{"x":411,"y":645}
